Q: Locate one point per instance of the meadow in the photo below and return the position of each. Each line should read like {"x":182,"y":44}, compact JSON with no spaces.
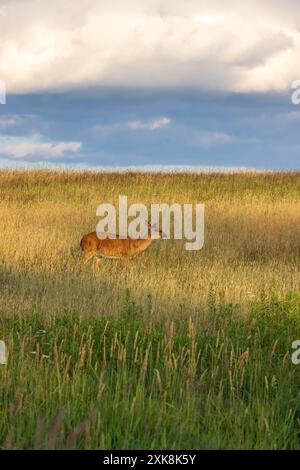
{"x":174,"y":349}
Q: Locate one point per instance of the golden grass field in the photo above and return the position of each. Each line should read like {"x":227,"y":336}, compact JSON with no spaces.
{"x":171,"y":350}
{"x":252,"y":241}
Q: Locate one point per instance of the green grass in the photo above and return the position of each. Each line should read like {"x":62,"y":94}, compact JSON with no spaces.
{"x":144,"y":354}
{"x":222,"y":379}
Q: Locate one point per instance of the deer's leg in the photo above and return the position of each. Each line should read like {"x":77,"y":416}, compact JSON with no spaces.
{"x":87,"y":256}
{"x":96,"y":261}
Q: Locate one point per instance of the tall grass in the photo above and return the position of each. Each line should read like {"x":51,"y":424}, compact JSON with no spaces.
{"x":252,"y":241}
{"x":175,"y":349}
{"x":224,"y":382}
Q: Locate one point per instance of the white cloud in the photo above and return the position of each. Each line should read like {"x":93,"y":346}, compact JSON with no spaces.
{"x":14,"y":120}
{"x":106,"y":130}
{"x":150,"y":125}
{"x":208,"y":139}
{"x":274,"y":123}
{"x":211,"y":44}
{"x":19,"y":148}
{"x":281,"y":120}
{"x":7,"y":121}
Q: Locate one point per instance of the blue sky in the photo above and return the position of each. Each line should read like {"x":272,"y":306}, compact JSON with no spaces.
{"x":121,"y":127}
{"x":190,"y":86}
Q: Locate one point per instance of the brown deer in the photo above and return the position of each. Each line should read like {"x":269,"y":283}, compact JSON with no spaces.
{"x":115,"y":248}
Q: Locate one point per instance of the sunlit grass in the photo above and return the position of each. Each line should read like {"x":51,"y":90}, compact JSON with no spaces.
{"x":173,"y":349}
{"x":252,"y":240}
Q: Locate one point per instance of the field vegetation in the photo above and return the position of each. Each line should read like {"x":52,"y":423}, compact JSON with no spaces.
{"x":173,"y":349}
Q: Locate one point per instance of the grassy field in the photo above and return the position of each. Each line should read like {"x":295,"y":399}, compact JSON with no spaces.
{"x":173,"y":349}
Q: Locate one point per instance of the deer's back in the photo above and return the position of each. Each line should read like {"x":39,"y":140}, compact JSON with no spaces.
{"x":115,"y":248}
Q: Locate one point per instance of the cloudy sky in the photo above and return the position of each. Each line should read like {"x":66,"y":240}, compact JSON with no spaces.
{"x":151,"y":82}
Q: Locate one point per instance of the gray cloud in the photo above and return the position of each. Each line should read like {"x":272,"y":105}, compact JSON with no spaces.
{"x":209,"y":44}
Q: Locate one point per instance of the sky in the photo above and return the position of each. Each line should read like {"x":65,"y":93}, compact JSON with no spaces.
{"x":150,"y":83}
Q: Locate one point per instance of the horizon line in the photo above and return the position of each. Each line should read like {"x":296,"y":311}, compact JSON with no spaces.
{"x":165,"y":169}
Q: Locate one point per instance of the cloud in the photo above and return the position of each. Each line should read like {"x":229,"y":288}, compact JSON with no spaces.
{"x":208,"y":139}
{"x":210,"y":44}
{"x":105,"y":130}
{"x":15,"y":120}
{"x":8,"y":121}
{"x":150,"y":125}
{"x":281,"y":120}
{"x":274,"y":124}
{"x":19,"y":148}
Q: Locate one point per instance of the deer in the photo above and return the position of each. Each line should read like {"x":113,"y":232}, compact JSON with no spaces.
{"x":94,"y":246}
